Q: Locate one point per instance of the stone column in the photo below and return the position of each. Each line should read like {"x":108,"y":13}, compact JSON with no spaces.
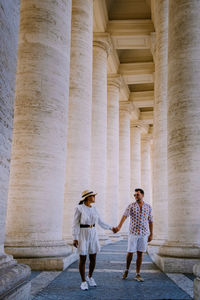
{"x":182,"y":249}
{"x":80,"y":110}
{"x":159,"y":178}
{"x":101,"y":47}
{"x":124,"y":160}
{"x":146,"y":167}
{"x":112,"y":191}
{"x":13,"y":277}
{"x":36,"y":191}
{"x":135,"y":156}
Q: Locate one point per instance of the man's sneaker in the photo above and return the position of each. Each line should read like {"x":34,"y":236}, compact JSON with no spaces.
{"x":125,"y":274}
{"x":138,"y":278}
{"x":91,"y":281}
{"x":84,"y":286}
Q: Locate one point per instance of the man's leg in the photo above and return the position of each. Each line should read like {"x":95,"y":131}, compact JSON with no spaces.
{"x":138,"y":266}
{"x":139,"y":261}
{"x":129,"y":257}
{"x":132,"y":246}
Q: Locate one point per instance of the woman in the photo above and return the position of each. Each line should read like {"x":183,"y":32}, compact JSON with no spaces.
{"x":85,"y":235}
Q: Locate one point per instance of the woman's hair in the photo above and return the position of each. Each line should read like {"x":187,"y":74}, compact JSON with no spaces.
{"x":82,"y":201}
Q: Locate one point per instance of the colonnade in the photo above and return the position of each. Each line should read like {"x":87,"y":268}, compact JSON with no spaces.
{"x":182,"y":246}
{"x":176,"y":124}
{"x":13,"y":275}
{"x":79,"y":125}
{"x":160,"y":165}
{"x":73,"y":131}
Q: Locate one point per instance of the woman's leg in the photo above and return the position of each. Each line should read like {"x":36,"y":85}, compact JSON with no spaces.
{"x":92,"y":264}
{"x":82,"y":266}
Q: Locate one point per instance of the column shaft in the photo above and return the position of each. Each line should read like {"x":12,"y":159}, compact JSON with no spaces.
{"x":99,"y":121}
{"x":183,"y":137}
{"x":14,"y":276}
{"x":80,"y":110}
{"x":124,"y":160}
{"x":112,"y":191}
{"x":159,"y":147}
{"x":135,"y":156}
{"x":36,"y":192}
{"x":183,"y":120}
{"x":8,"y":47}
{"x":146,"y":168}
{"x":160,"y":182}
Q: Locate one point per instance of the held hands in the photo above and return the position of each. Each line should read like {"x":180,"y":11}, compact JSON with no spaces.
{"x":115,"y":229}
{"x":75,"y":243}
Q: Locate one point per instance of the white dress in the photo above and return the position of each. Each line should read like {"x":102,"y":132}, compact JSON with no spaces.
{"x":88,"y":242}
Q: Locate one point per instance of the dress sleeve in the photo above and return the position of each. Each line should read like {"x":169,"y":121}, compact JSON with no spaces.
{"x":102,"y":224}
{"x":150,"y":217}
{"x":76,"y":224}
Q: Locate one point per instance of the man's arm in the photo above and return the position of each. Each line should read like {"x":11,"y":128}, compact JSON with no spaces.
{"x":120,"y":223}
{"x":150,"y":238}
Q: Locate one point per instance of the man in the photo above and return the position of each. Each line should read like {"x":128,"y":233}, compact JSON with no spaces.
{"x":141,"y":224}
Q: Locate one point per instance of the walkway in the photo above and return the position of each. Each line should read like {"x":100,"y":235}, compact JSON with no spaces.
{"x":110,"y":264}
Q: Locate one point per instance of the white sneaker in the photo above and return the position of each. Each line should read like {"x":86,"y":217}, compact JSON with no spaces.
{"x":84,"y":286}
{"x":91,"y":281}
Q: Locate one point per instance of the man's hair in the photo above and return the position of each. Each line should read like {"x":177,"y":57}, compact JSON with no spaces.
{"x":139,"y":190}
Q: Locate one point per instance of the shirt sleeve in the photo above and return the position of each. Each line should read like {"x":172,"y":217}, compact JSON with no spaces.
{"x":102,"y":224}
{"x":150,"y":217}
{"x":76,"y":224}
{"x":127,"y":212}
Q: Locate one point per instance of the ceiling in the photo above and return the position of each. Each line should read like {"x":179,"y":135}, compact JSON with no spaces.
{"x":130,"y":25}
{"x":128,"y":9}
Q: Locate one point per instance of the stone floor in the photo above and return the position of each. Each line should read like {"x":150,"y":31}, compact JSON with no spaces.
{"x":110,"y":265}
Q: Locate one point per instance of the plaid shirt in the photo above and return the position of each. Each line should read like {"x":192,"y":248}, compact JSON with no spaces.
{"x":139,"y":219}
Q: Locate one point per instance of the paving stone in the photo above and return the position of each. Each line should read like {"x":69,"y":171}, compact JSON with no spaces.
{"x":156,"y":286}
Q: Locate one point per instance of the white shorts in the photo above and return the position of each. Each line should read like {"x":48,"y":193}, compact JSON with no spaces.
{"x":137,"y":243}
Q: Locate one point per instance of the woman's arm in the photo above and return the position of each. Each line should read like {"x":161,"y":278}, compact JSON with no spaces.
{"x":76,"y":226}
{"x":102,"y":224}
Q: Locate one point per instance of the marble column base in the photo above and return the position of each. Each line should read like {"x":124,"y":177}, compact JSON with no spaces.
{"x":153,"y":248}
{"x":14,"y":283}
{"x":174,"y":257}
{"x":197,"y":289}
{"x":50,"y":263}
{"x":175,"y":264}
{"x":43,"y":256}
{"x":196,"y":271}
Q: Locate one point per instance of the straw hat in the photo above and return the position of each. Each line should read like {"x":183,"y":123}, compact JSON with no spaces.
{"x":87,"y":193}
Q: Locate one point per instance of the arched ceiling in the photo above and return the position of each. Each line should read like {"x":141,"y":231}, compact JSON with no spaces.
{"x":130,"y":25}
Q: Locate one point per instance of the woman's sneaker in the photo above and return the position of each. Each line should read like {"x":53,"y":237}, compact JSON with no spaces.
{"x":84,"y":286}
{"x":91,"y":281}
